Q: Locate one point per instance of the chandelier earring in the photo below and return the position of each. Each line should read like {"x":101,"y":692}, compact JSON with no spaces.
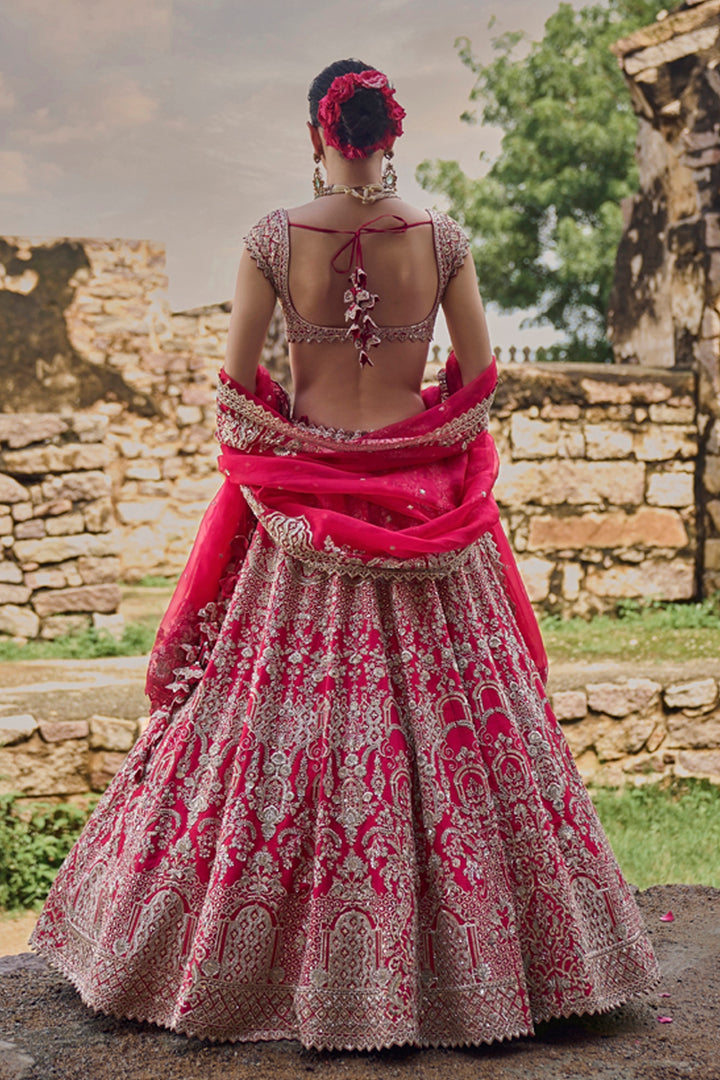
{"x":389,"y":176}
{"x":317,"y":181}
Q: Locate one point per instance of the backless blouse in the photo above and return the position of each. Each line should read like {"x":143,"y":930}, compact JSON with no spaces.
{"x":268,"y":243}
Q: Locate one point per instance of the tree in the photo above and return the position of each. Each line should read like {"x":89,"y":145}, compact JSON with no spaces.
{"x":545,"y":219}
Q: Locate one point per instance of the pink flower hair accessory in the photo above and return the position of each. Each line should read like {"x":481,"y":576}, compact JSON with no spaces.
{"x":341,"y":90}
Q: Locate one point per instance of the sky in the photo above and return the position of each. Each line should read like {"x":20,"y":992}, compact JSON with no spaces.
{"x":183,"y":121}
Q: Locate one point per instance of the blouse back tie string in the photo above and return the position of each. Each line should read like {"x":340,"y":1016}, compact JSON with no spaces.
{"x":359,"y":301}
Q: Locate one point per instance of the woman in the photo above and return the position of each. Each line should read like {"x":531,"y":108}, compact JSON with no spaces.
{"x":353,"y":818}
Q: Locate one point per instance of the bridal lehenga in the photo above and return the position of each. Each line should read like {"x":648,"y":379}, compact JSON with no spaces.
{"x":353,"y":819}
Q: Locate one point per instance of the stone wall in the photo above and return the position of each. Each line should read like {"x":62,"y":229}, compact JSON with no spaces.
{"x":596,"y":484}
{"x":625,"y":731}
{"x":58,"y":549}
{"x":665,"y":307}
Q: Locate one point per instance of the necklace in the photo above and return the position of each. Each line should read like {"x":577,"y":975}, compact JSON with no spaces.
{"x":366,"y":193}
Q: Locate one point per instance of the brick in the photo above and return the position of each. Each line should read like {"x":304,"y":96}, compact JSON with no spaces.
{"x":576,"y":483}
{"x":570,"y":704}
{"x":112,"y":733}
{"x":661,"y":580}
{"x":53,"y":549}
{"x":671,"y":489}
{"x":536,"y":576}
{"x":53,"y":731}
{"x":58,"y":459}
{"x":545,"y":438}
{"x":11,"y":491}
{"x":664,"y":443}
{"x":104,"y":598}
{"x":17,"y":729}
{"x":696,"y":694}
{"x":598,"y":392}
{"x":608,"y":441}
{"x":621,"y":699}
{"x":647,"y":527}
{"x":18,"y":621}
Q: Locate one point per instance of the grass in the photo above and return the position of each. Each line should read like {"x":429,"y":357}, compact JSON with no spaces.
{"x":666,"y":833}
{"x":88,"y":644}
{"x":653,"y":632}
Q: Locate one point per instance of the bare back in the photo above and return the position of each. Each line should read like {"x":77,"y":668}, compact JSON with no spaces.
{"x":307,"y":254}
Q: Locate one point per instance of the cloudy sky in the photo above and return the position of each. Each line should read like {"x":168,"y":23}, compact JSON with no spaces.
{"x":184,"y":120}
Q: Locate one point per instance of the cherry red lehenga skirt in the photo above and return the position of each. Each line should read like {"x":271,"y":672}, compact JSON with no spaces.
{"x":359,"y":825}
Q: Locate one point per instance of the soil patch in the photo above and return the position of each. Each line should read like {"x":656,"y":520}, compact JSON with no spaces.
{"x":46,"y":1033}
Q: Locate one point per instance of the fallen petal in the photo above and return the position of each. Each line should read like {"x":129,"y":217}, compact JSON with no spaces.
{"x":668,"y":917}
{"x":665,"y":1019}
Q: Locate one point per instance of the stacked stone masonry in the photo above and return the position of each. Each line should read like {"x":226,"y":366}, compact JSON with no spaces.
{"x":665,"y":307}
{"x":626,"y":732}
{"x":597,"y":478}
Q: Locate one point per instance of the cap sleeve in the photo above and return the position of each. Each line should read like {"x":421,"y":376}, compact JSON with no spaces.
{"x":452,"y":247}
{"x":267,"y":244}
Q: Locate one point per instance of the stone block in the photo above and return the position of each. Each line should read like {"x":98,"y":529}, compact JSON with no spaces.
{"x":625,"y":737}
{"x":51,"y":578}
{"x":570,"y":704}
{"x":14,"y":594}
{"x":186,"y":415}
{"x":56,"y":459}
{"x":57,"y":626}
{"x":104,"y":598}
{"x":140,"y":512}
{"x":598,"y":392}
{"x":112,"y":733}
{"x":533,"y":438}
{"x":30,"y":530}
{"x":572,"y":580}
{"x":646,"y":527}
{"x":673,"y":414}
{"x":621,"y":699}
{"x":713,"y":509}
{"x":11,"y":491}
{"x":536,"y":575}
{"x":17,"y":729}
{"x":146,"y":471}
{"x":22,"y":511}
{"x":11,"y":574}
{"x":65,"y":525}
{"x":50,"y":769}
{"x":560,"y":482}
{"x":104,"y":766}
{"x":22,"y":429}
{"x":6,"y":525}
{"x":695,"y":694}
{"x":711,"y":474}
{"x":671,"y":489}
{"x":89,"y":427}
{"x":76,"y":486}
{"x":99,"y":516}
{"x":53,"y":731}
{"x":664,"y":443}
{"x":114,"y":625}
{"x":608,"y":441}
{"x":694,"y":732}
{"x":584,"y":735}
{"x":712,"y":555}
{"x":94,"y":571}
{"x":55,"y":549}
{"x":652,"y":579}
{"x":704,"y":763}
{"x":18,"y":621}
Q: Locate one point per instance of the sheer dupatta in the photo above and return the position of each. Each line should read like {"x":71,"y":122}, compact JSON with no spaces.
{"x":407,"y":498}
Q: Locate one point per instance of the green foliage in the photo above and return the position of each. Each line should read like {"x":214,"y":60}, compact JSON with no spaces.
{"x":664,"y":833}
{"x":652,"y":631}
{"x":137,"y":640}
{"x":545,"y":219}
{"x":33,"y":843}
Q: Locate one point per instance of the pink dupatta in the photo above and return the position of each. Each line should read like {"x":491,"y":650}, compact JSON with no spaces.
{"x":409,"y":498}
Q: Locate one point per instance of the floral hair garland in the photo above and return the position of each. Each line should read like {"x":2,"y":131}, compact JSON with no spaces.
{"x":341,"y":90}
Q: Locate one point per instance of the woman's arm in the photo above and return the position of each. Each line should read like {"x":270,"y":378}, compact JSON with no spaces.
{"x":252,"y":308}
{"x":465,"y":317}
